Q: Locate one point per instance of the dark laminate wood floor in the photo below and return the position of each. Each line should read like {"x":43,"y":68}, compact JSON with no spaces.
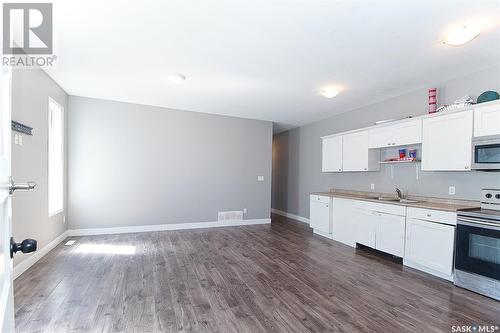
{"x":277,"y":278}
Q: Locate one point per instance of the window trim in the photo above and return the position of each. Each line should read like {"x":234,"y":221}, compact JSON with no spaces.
{"x":63,"y":143}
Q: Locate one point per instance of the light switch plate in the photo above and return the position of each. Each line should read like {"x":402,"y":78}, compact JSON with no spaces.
{"x":372,"y":186}
{"x":260,"y":178}
{"x":16,"y":139}
{"x":20,"y":140}
{"x":451,"y":190}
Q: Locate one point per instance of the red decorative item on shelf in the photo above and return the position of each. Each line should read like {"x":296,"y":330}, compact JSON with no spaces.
{"x":432,"y":100}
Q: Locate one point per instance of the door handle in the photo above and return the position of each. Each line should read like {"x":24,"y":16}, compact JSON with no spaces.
{"x":28,"y":186}
{"x":26,"y":246}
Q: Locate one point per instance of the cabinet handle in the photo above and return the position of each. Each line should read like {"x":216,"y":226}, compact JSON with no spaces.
{"x":389,"y":144}
{"x":340,"y":169}
{"x":429,"y":215}
{"x":365,"y":168}
{"x":466,"y":167}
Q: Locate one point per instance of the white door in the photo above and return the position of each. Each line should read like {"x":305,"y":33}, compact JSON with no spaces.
{"x":355,"y":151}
{"x":366,"y":227}
{"x":6,"y":288}
{"x":391,"y":234}
{"x":487,"y":120}
{"x":320,"y":216}
{"x":343,"y":221}
{"x":430,"y":246}
{"x":408,"y":132}
{"x":381,"y":136}
{"x":447,"y":142}
{"x":332,"y":154}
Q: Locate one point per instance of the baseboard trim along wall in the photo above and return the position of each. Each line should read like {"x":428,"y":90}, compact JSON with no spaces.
{"x":292,"y":216}
{"x":23,"y":266}
{"x":165,"y":227}
{"x":33,"y":258}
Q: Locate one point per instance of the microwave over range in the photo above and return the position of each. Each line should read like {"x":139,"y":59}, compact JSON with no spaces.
{"x":486,"y":153}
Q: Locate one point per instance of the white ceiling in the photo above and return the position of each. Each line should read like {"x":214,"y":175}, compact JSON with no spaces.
{"x":264,"y":59}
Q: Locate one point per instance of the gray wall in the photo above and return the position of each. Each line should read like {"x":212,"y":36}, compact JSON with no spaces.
{"x":297,"y":153}
{"x":30,"y":219}
{"x":133,"y":165}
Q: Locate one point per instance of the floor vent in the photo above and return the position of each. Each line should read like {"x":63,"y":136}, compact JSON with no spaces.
{"x":231,"y":215}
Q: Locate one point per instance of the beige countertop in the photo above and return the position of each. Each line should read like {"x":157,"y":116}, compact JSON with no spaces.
{"x":423,"y":202}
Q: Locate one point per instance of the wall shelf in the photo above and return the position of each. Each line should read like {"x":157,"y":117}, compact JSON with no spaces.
{"x":400,"y":162}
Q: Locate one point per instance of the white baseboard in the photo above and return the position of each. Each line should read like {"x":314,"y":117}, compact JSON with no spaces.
{"x":33,"y":258}
{"x":164,"y":227}
{"x":292,"y":216}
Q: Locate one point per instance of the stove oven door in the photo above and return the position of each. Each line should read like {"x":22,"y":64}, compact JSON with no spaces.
{"x":477,"y":247}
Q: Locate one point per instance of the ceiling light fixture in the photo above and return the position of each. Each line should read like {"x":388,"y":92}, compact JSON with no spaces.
{"x":176,"y":79}
{"x":330,"y":91}
{"x":463,"y":34}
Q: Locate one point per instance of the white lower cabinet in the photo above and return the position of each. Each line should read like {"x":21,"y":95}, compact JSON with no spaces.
{"x":429,"y":247}
{"x":366,"y":228}
{"x":382,"y":231}
{"x":344,"y":221}
{"x":390,"y":236}
{"x":424,"y":238}
{"x":320,"y":215}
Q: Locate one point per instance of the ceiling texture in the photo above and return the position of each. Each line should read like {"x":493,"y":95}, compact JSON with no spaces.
{"x":264,"y":59}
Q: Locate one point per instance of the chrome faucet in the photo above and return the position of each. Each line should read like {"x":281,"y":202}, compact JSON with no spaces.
{"x":400,"y":195}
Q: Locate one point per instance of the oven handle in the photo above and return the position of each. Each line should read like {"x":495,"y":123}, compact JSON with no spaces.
{"x":478,"y":223}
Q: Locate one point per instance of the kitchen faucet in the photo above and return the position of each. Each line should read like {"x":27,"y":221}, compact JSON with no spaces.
{"x":400,"y":195}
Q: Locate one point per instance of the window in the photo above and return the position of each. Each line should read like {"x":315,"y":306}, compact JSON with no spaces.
{"x":56,"y":158}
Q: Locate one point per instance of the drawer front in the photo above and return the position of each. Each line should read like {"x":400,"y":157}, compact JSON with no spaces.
{"x":381,"y":208}
{"x":320,"y":198}
{"x":432,"y":215}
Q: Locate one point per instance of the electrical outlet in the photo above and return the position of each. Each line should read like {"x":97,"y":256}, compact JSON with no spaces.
{"x":451,"y":190}
{"x":244,"y":210}
{"x":20,"y":140}
{"x":372,"y":186}
{"x":16,"y":139}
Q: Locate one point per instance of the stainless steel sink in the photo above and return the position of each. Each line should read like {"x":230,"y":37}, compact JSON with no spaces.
{"x":397,"y":200}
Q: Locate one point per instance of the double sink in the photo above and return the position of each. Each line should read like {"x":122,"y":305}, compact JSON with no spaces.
{"x":387,"y":199}
{"x":393,"y":199}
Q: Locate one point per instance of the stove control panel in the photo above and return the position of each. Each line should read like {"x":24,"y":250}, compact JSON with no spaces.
{"x":490,"y":198}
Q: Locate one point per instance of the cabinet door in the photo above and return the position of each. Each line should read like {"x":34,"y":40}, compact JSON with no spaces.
{"x":366,"y":227}
{"x":332,"y":154}
{"x":355,"y":151}
{"x":447,"y":142}
{"x":344,"y":221}
{"x":408,"y":133}
{"x":381,"y":136}
{"x":430,"y":245}
{"x":319,"y":216}
{"x":391,"y":234}
{"x":487,"y":120}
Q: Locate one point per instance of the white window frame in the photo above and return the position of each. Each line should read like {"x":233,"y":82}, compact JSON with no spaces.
{"x":60,"y":209}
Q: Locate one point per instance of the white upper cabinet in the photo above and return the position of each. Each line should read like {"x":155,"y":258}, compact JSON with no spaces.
{"x":355,"y":153}
{"x":399,"y":134}
{"x":487,"y":120}
{"x":447,"y":142}
{"x":332,"y":154}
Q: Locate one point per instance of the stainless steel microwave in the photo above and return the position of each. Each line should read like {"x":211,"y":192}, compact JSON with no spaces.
{"x":486,"y":153}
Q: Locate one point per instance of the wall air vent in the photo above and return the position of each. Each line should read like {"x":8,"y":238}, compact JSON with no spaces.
{"x":231,"y":215}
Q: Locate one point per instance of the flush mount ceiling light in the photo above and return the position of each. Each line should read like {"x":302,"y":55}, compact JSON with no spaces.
{"x":463,"y":34}
{"x":176,"y":79}
{"x":330,"y":91}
